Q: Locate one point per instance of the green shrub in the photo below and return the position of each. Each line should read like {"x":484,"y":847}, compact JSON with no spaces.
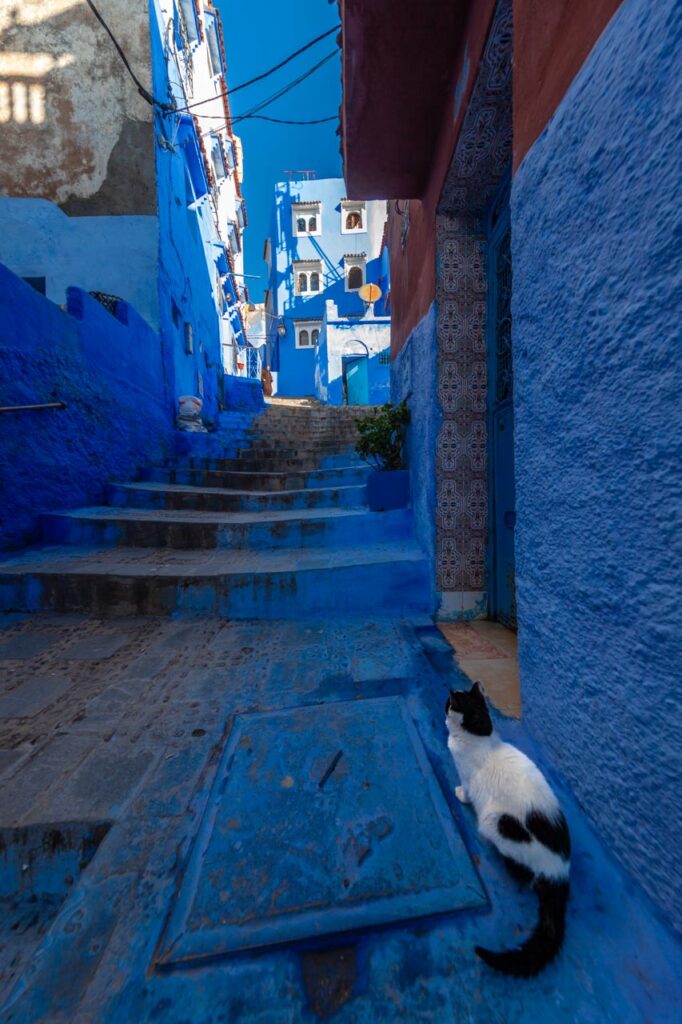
{"x":381,"y":436}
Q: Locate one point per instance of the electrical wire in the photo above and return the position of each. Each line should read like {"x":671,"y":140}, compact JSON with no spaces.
{"x":279,"y":120}
{"x":264,"y":74}
{"x":277,"y":95}
{"x":144,"y":93}
{"x":151,"y":99}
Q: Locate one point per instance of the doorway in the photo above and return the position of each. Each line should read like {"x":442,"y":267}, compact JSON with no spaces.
{"x":502,"y":507}
{"x":355,"y":380}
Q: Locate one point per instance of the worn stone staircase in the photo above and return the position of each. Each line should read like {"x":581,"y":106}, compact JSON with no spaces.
{"x":275,"y":528}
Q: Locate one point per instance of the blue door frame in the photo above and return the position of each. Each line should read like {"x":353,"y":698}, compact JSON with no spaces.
{"x":501,"y":478}
{"x":355,"y":376}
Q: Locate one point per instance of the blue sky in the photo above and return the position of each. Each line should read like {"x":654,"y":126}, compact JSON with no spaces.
{"x":258,"y":34}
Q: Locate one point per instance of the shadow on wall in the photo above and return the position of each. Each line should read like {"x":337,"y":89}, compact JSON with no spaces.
{"x":116,"y":382}
{"x":46,"y":112}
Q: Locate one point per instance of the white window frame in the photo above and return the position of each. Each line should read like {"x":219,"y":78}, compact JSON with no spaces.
{"x":306,"y":210}
{"x":309,"y":326}
{"x":307,"y":267}
{"x":348,"y":263}
{"x":213,"y":40}
{"x":217,"y":160}
{"x":348,"y":207}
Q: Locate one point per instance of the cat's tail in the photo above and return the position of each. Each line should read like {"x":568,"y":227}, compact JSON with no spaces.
{"x":543,"y":945}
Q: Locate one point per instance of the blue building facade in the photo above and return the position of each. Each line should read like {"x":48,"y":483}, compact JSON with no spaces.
{"x":324,"y":340}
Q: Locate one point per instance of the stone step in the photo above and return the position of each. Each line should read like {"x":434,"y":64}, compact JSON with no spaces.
{"x":300,"y":445}
{"x":285,"y":583}
{"x":159,"y":528}
{"x":147,"y":494}
{"x":246,"y":480}
{"x":269,"y":464}
{"x":347,"y":456}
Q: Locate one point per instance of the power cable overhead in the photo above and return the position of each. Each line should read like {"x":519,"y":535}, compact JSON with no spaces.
{"x":280,"y":120}
{"x":143,"y":91}
{"x":275,"y":96}
{"x":264,"y":74}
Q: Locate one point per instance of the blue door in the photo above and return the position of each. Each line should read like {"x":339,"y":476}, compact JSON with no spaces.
{"x":357,"y":382}
{"x":502,"y":587}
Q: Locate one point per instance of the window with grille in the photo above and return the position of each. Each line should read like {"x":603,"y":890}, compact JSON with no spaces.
{"x":306,"y":219}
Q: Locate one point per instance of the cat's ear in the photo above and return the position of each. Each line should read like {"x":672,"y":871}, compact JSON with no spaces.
{"x":476,"y":688}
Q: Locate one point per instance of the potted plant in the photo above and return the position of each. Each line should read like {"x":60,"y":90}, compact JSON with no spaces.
{"x":381,"y":437}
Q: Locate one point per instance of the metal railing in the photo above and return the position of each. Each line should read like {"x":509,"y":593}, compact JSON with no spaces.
{"x":41,"y":405}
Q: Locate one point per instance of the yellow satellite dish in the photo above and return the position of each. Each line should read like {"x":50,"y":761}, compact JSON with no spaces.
{"x":370,"y":293}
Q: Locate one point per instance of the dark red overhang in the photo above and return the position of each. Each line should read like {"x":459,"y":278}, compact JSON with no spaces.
{"x":399,"y":58}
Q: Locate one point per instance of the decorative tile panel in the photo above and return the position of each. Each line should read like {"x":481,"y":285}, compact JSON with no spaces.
{"x":482,"y":155}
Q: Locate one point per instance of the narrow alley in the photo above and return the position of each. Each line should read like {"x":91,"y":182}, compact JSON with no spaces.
{"x":339,"y":432}
{"x":176,"y":762}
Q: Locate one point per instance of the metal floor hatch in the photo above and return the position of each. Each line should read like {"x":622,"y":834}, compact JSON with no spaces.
{"x":321,"y":819}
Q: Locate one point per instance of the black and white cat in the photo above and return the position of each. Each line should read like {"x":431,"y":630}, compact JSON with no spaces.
{"x":520,"y":815}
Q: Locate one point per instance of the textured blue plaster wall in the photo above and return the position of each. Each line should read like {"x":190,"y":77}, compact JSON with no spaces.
{"x":414,"y":376}
{"x":187,"y":254}
{"x":597,"y":248}
{"x":110,"y":375}
{"x":107,"y":254}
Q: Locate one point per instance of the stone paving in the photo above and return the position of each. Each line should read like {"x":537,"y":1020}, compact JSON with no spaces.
{"x":118,"y":727}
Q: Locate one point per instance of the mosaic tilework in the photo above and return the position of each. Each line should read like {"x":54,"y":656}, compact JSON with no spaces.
{"x":481,"y":158}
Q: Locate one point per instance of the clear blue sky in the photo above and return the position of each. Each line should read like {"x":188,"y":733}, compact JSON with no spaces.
{"x":258,"y":34}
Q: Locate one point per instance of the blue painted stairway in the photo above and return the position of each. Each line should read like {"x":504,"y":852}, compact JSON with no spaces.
{"x":278,"y":528}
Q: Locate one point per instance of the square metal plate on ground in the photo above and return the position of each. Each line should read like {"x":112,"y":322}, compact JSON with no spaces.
{"x":288,"y":850}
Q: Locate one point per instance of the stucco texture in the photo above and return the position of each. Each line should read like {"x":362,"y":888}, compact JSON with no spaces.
{"x":109,"y":372}
{"x":117,"y":255}
{"x":596,"y":233}
{"x":88,"y":148}
{"x":414,"y":376}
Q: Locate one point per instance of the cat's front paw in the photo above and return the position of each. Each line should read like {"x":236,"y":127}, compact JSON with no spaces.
{"x":461,"y":795}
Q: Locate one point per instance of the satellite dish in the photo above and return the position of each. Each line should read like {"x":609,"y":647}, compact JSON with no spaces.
{"x":370,"y":293}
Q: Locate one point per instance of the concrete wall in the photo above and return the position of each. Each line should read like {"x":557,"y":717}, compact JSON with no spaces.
{"x":596,"y":229}
{"x":110,"y":373}
{"x":107,"y":254}
{"x":74,"y":127}
{"x":414,"y":376}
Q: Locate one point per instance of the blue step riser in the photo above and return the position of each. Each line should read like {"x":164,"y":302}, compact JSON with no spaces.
{"x":215,"y":501}
{"x":256,"y":481}
{"x":372,"y":589}
{"x":373,"y":528}
{"x":268,"y":464}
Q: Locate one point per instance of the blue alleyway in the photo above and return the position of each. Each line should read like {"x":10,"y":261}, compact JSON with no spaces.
{"x":228,"y":795}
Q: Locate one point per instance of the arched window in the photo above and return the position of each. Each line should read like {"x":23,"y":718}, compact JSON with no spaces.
{"x":314,"y":281}
{"x":300,"y":225}
{"x":302,"y":283}
{"x":353,"y":221}
{"x":354,"y":278}
{"x":315,"y":335}
{"x":303,"y":338}
{"x":312,"y":224}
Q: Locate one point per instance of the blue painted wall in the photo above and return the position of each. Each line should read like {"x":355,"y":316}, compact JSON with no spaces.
{"x":187,"y":251}
{"x":414,"y":376}
{"x":107,"y":254}
{"x":597,"y":249}
{"x":297,"y":366}
{"x":110,"y":373}
{"x":343,"y":337}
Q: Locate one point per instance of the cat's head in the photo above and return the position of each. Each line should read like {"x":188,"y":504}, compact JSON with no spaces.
{"x":468,"y":709}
